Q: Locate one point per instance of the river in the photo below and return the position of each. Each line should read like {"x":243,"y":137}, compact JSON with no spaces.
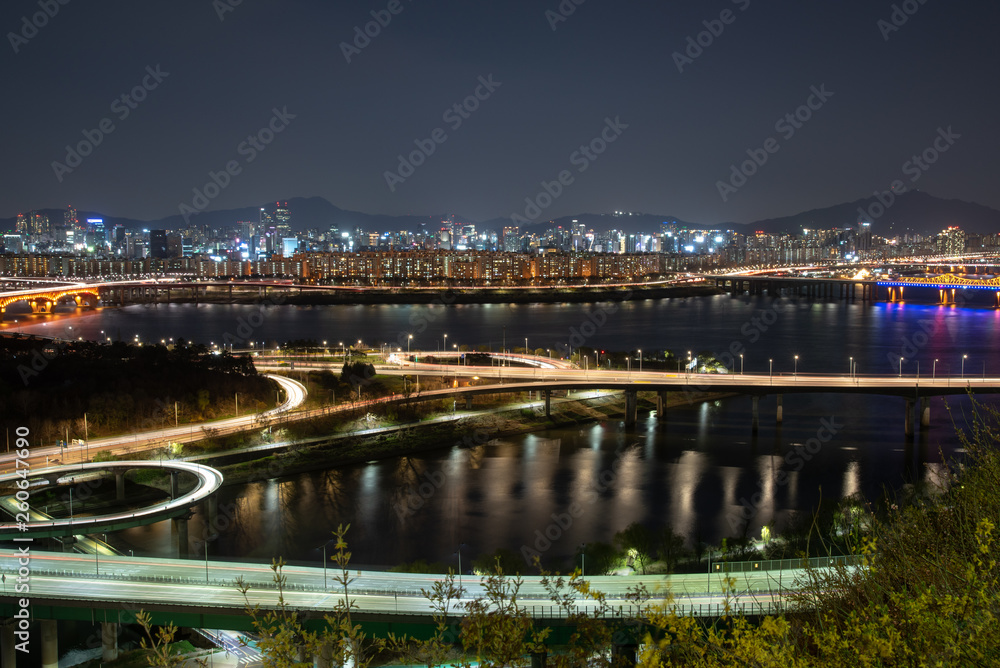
{"x":702,"y":471}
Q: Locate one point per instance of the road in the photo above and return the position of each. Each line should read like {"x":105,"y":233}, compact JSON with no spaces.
{"x":209,"y":585}
{"x":295,"y":395}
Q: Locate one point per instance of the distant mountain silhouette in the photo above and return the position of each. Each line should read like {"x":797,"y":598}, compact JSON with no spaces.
{"x":914,"y":212}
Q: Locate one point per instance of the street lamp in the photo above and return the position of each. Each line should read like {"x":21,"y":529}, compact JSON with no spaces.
{"x":444,"y":344}
{"x":640,"y":360}
{"x":741,"y":364}
{"x":964,"y":357}
{"x":900,"y":366}
{"x":770,"y":367}
{"x":795,"y":370}
{"x":408,"y":339}
{"x":934,"y":369}
{"x":850,"y":367}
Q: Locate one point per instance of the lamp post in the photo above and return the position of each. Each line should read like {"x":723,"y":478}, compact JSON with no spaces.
{"x":770,"y":367}
{"x":964,"y":357}
{"x":408,"y":339}
{"x":850,"y":367}
{"x":444,"y":343}
{"x":900,"y":366}
{"x":795,"y":369}
{"x":741,"y":364}
{"x":934,"y":370}
{"x":640,"y":360}
{"x":583,"y":559}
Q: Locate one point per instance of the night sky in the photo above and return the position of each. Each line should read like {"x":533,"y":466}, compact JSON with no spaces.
{"x":228,"y":71}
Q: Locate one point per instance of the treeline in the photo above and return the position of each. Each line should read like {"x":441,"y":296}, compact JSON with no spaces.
{"x":50,"y":386}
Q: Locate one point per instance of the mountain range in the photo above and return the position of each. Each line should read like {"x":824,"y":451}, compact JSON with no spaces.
{"x":914,"y":212}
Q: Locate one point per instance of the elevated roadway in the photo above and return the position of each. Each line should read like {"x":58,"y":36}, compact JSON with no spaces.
{"x":208,"y":481}
{"x":202,"y":593}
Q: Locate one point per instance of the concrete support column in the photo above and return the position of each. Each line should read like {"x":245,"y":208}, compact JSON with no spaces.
{"x":756,"y":413}
{"x":213,"y":510}
{"x":182,"y":536}
{"x":780,"y":412}
{"x":630,"y":408}
{"x":468,"y":402}
{"x":119,"y":486}
{"x":174,"y":487}
{"x":109,"y":641}
{"x":548,"y":402}
{"x":661,"y":405}
{"x":925,"y":411}
{"x":908,"y":422}
{"x":624,"y":654}
{"x":323,"y":658}
{"x":8,"y":654}
{"x":50,"y":644}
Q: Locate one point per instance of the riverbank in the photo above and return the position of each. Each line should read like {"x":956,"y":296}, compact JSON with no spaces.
{"x":312,"y":296}
{"x":421,"y":437}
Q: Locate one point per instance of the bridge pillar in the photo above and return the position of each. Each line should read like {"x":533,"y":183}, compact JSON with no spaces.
{"x":120,"y":486}
{"x":661,"y":405}
{"x":925,"y":411}
{"x":323,"y":658}
{"x":213,"y":510}
{"x":468,"y":402}
{"x":756,"y":413}
{"x":8,"y":654}
{"x":50,"y":644}
{"x":908,"y":422}
{"x":624,"y":654}
{"x":548,"y":403}
{"x":182,"y":536}
{"x":630,"y":407}
{"x":539,"y":659}
{"x":779,"y":414}
{"x":109,"y":641}
{"x":174,"y":486}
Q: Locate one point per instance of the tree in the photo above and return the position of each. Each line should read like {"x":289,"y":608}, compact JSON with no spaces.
{"x":638,"y":543}
{"x":669,"y":547}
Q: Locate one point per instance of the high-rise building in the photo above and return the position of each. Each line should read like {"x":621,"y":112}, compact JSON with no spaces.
{"x":158,"y":244}
{"x":39,"y":224}
{"x":283,"y":219}
{"x":21,"y":226}
{"x":511,"y":240}
{"x":70,"y":218}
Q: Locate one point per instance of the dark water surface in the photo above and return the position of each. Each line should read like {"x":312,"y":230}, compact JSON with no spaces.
{"x":699,"y":471}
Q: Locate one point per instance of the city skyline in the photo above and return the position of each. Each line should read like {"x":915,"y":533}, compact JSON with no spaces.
{"x":727,"y":113}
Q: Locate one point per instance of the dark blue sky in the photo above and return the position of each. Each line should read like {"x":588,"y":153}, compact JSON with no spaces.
{"x":557,"y":87}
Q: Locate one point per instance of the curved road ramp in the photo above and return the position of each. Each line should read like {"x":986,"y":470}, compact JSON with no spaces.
{"x":29,"y":522}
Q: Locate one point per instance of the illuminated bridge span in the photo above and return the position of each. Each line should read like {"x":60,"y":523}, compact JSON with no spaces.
{"x":209,"y":480}
{"x":202,"y":594}
{"x":42,"y":300}
{"x":945,"y":284}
